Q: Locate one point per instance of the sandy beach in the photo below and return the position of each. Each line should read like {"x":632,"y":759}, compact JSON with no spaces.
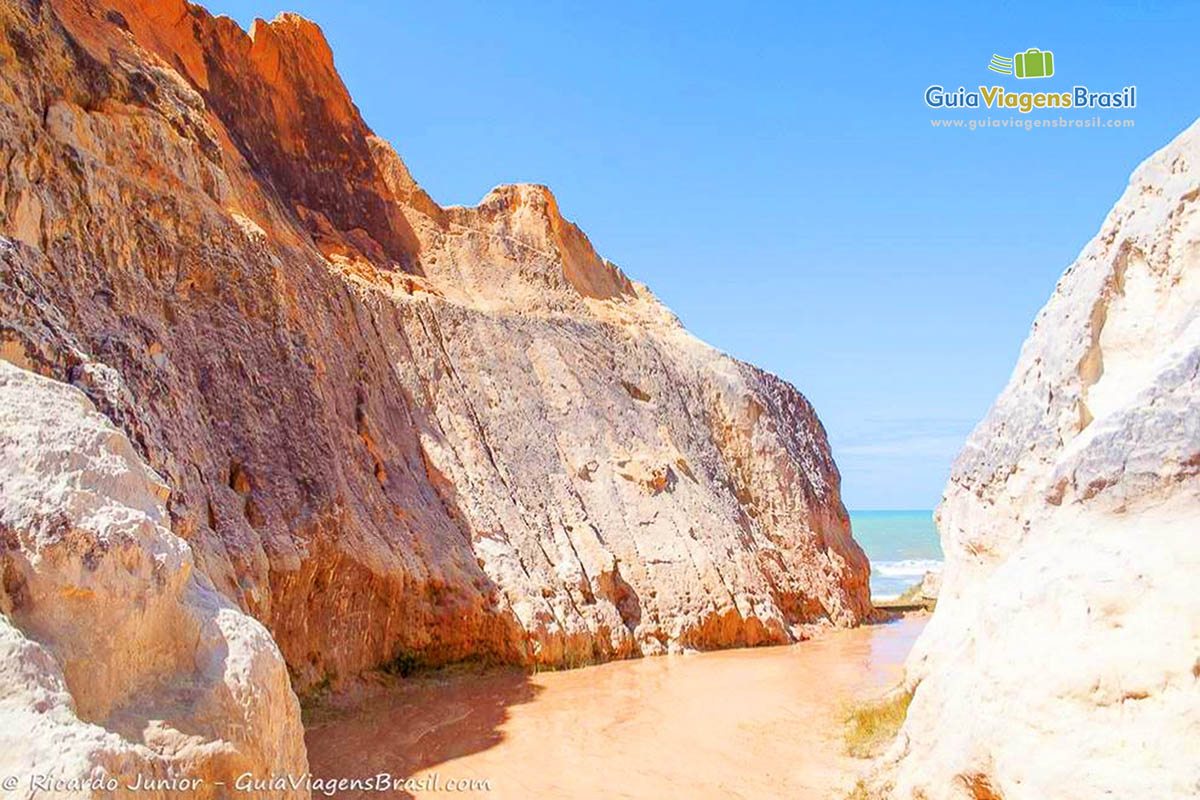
{"x":751,"y":723}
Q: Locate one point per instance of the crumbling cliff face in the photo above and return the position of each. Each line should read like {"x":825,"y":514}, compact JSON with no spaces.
{"x":390,"y":430}
{"x":1064,"y":656}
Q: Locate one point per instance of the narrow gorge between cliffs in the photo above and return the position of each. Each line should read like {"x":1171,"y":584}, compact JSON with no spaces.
{"x":307,"y":479}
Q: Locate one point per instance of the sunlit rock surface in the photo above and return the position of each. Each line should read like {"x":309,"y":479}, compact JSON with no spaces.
{"x":120,"y":665}
{"x":1064,"y":656}
{"x":391,"y":430}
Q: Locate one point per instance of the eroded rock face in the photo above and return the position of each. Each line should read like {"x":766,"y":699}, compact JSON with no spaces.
{"x":391,"y":429}
{"x":1064,"y":656}
{"x":118,"y":661}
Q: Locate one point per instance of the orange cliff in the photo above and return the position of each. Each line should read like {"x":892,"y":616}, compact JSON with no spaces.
{"x":275,"y":96}
{"x":390,"y":430}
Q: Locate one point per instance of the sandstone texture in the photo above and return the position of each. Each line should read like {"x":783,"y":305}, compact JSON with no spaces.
{"x":1063,"y":660}
{"x":391,"y":431}
{"x":118,"y":660}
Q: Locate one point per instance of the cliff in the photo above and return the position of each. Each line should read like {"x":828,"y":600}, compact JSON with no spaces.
{"x":1064,"y":656}
{"x":387,"y":430}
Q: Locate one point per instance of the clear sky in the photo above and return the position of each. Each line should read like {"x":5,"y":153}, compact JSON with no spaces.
{"x":770,"y":171}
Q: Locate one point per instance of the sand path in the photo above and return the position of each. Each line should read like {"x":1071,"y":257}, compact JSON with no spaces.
{"x":759,"y":723}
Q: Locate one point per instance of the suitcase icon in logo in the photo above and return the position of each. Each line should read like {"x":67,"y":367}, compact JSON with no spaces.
{"x":1034,"y":63}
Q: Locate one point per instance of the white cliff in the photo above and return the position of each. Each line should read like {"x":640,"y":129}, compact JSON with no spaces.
{"x":1063,"y":660}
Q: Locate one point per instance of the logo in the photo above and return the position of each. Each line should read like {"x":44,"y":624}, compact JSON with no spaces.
{"x":1033,"y":63}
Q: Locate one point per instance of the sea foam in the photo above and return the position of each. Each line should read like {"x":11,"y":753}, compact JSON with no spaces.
{"x":909,"y":568}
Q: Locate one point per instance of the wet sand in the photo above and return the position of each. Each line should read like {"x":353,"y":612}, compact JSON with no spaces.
{"x":760,"y":723}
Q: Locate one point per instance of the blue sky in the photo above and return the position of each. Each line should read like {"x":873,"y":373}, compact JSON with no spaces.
{"x":771,"y":172}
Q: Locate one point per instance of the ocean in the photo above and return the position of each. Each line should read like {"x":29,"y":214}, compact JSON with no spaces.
{"x":902,"y":546}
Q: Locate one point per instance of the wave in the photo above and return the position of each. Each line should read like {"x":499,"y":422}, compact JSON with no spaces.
{"x":909,"y":568}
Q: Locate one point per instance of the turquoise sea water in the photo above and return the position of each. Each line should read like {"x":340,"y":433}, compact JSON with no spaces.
{"x":902,"y":546}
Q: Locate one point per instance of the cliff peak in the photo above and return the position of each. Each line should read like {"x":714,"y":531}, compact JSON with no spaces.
{"x":275,"y":93}
{"x":530,"y":212}
{"x":292,"y":51}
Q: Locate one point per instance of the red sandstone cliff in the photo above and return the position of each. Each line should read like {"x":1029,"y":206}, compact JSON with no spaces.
{"x":389,"y":429}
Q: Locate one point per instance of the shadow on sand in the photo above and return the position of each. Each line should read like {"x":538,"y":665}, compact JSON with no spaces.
{"x":412,"y":725}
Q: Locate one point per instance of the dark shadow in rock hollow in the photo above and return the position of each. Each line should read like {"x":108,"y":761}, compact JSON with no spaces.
{"x":413,"y":725}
